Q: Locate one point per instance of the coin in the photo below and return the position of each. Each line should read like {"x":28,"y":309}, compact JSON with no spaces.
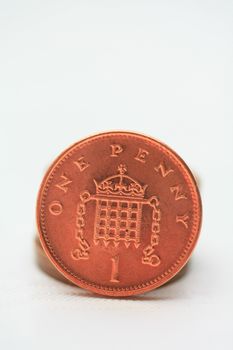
{"x":119,"y":213}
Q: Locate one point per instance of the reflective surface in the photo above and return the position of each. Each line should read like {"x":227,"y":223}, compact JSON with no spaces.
{"x":119,"y":213}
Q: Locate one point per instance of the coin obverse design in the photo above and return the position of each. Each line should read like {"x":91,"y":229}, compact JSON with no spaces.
{"x":119,"y":213}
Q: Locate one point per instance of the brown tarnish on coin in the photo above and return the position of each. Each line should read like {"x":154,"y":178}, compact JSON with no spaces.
{"x":119,"y":213}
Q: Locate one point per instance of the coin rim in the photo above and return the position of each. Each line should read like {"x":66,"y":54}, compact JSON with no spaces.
{"x":134,"y":289}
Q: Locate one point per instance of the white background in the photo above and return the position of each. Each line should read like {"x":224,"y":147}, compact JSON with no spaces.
{"x":69,"y":69}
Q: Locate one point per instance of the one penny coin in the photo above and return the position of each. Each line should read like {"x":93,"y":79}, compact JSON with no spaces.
{"x":119,"y":213}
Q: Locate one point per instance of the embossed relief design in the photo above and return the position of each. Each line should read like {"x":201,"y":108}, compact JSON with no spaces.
{"x":119,"y":200}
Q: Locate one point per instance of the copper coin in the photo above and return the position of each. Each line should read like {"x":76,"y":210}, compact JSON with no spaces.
{"x":119,"y":213}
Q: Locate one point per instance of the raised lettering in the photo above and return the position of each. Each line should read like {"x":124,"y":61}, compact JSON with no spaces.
{"x":81,"y":163}
{"x":63,"y":184}
{"x":177,"y":191}
{"x":55,"y":208}
{"x":116,"y":150}
{"x":141,"y":156}
{"x":163,"y":170}
{"x":183,"y":219}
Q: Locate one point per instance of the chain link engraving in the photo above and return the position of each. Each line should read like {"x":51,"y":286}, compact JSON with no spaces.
{"x":83,"y":251}
{"x":150,"y":257}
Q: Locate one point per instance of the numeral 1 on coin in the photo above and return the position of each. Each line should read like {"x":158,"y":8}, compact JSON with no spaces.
{"x":115,"y":269}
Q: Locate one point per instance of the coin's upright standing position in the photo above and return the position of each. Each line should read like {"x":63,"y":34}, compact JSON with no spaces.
{"x":119,"y":213}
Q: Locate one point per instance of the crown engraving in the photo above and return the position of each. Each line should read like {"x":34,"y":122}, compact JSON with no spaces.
{"x":120,"y":185}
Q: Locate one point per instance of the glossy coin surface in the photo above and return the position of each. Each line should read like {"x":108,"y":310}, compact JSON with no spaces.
{"x":118,"y":213}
